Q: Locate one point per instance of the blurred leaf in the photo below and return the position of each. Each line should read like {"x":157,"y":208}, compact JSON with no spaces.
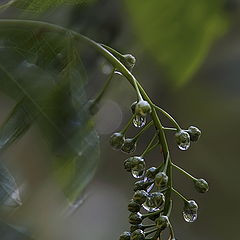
{"x":39,"y":6}
{"x":9,"y":192}
{"x":9,"y":232}
{"x":178,"y":34}
{"x":43,"y":72}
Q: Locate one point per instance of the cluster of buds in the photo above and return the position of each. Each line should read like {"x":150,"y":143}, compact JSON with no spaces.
{"x":150,"y":202}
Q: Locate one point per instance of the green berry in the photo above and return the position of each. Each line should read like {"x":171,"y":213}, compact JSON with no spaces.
{"x":151,"y":172}
{"x":135,"y":227}
{"x":161,"y":180}
{"x":133,"y":206}
{"x":133,"y":163}
{"x":117,"y":140}
{"x":142,"y":108}
{"x":201,"y":185}
{"x":125,"y":236}
{"x":142,"y":185}
{"x":190,"y":211}
{"x":137,"y":235}
{"x":183,"y":139}
{"x":140,"y":196}
{"x":162,"y":222}
{"x":135,"y":218}
{"x":129,"y":145}
{"x":129,"y":61}
{"x":194,"y":133}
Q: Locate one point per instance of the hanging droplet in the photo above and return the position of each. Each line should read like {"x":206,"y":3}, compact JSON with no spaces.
{"x":190,"y":211}
{"x":139,"y":121}
{"x":138,"y":171}
{"x":189,"y":216}
{"x":154,"y":202}
{"x":183,"y":140}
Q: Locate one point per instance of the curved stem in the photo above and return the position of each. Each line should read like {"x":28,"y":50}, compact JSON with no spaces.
{"x":180,"y":195}
{"x":47,"y":27}
{"x":169,"y":117}
{"x":127,"y":125}
{"x":149,"y":146}
{"x":184,"y":172}
{"x":143,"y":130}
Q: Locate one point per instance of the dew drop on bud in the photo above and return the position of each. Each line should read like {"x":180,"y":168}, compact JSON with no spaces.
{"x":154,"y":202}
{"x":138,"y":171}
{"x":139,"y":121}
{"x":189,"y":216}
{"x":183,"y":140}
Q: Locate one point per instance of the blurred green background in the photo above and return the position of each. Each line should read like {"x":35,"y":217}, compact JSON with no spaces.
{"x":188,"y":58}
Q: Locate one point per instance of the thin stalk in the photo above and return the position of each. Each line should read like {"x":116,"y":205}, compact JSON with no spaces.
{"x":149,"y":145}
{"x":170,"y":208}
{"x":151,"y":214}
{"x":143,"y":130}
{"x":8,"y":4}
{"x":169,"y":129}
{"x":127,"y":125}
{"x":179,"y":195}
{"x":103,"y":90}
{"x":184,"y":172}
{"x":169,"y":117}
{"x":151,"y":231}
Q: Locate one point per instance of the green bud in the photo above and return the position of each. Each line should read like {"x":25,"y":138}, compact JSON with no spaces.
{"x":201,"y":185}
{"x":135,"y":218}
{"x":135,"y":227}
{"x":129,"y":61}
{"x":133,"y":162}
{"x":183,"y":139}
{"x":133,"y":206}
{"x":151,"y":172}
{"x":194,"y":133}
{"x":142,"y":108}
{"x":137,"y":235}
{"x":161,"y":180}
{"x":190,"y":211}
{"x":142,"y":185}
{"x":125,"y":236}
{"x":129,"y":145}
{"x":117,"y":140}
{"x":162,"y":222}
{"x":140,"y":196}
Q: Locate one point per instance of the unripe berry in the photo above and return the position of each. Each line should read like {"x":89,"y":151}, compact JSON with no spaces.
{"x":135,"y":218}
{"x":161,"y":180}
{"x":140,"y":196}
{"x":182,"y":139}
{"x":129,"y":145}
{"x":133,"y":206}
{"x":151,"y":172}
{"x":190,"y":211}
{"x":201,"y":185}
{"x":125,"y":236}
{"x":162,"y":222}
{"x":129,"y":61}
{"x":194,"y":133}
{"x":117,"y":140}
{"x":137,"y":235}
{"x":142,"y":185}
{"x":142,"y":108}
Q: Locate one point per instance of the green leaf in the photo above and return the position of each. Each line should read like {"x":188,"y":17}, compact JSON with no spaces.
{"x":42,"y":71}
{"x":9,"y":192}
{"x":178,"y":34}
{"x":11,"y":232}
{"x":40,"y":6}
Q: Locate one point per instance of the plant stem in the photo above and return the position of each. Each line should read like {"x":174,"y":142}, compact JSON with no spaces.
{"x":169,"y":129}
{"x":127,"y":125}
{"x":143,"y":130}
{"x":47,"y":27}
{"x":169,"y":117}
{"x":149,"y":146}
{"x":103,"y":90}
{"x":184,"y":172}
{"x":180,"y":195}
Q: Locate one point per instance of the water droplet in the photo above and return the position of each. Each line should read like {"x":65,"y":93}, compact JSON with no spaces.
{"x":139,"y":121}
{"x":183,"y":140}
{"x":189,"y":215}
{"x":118,"y":73}
{"x":154,"y":202}
{"x":138,"y":170}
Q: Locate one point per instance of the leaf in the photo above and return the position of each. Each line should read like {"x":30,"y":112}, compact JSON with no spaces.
{"x":178,"y":34}
{"x":43,"y":72}
{"x":9,"y":192}
{"x":40,"y":6}
{"x":9,"y":232}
